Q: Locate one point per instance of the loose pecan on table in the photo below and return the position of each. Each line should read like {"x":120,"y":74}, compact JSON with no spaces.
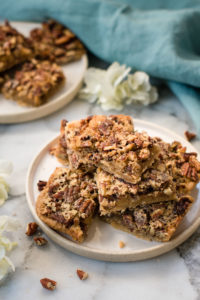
{"x":40,"y":241}
{"x":48,"y":284}
{"x":31,"y":228}
{"x":82,"y":274}
{"x":189,"y":135}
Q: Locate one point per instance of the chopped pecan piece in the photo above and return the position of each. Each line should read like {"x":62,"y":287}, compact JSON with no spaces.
{"x":41,"y":185}
{"x":144,"y":154}
{"x":82,"y":274}
{"x":157,"y":213}
{"x":31,"y":228}
{"x":48,"y":284}
{"x":140,"y":217}
{"x":189,"y":135}
{"x":40,"y":241}
{"x":128,"y":221}
{"x":121,"y":244}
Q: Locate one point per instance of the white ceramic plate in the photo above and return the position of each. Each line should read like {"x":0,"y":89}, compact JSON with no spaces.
{"x":11,"y":112}
{"x":102,"y":241}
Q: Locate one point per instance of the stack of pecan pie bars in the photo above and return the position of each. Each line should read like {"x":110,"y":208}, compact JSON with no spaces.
{"x":134,"y":182}
{"x":29,"y":70}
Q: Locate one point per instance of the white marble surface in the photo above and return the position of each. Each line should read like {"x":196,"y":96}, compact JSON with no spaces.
{"x":175,"y":275}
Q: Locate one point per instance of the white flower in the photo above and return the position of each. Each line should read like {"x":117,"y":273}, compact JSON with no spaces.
{"x":5,"y":265}
{"x":115,"y":87}
{"x":5,"y":170}
{"x":6,"y":224}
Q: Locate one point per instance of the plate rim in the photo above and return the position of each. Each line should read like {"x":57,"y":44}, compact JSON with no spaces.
{"x":48,"y":108}
{"x":102,"y":255}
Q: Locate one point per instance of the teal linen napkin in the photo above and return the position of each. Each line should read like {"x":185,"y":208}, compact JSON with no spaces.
{"x":159,"y":37}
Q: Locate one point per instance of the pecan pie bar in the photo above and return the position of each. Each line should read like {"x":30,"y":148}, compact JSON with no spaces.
{"x":55,"y":42}
{"x":112,"y":144}
{"x":163,"y":181}
{"x":68,"y":202}
{"x":155,"y":222}
{"x":33,"y":83}
{"x":116,"y":195}
{"x":14,"y":47}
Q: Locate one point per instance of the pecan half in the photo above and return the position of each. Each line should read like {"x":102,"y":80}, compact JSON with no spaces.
{"x":188,"y":155}
{"x":82,"y":274}
{"x":48,"y":284}
{"x":189,"y":135}
{"x":41,"y":185}
{"x":185,"y":168}
{"x":40,"y":241}
{"x":31,"y":228}
{"x":85,"y":206}
{"x":70,"y":193}
{"x":189,"y":171}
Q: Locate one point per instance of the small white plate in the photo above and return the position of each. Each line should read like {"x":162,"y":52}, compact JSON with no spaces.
{"x":11,"y":112}
{"x":102,"y":241}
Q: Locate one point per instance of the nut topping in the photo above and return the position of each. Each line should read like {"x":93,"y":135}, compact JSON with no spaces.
{"x":40,"y":241}
{"x":121,"y":244}
{"x":41,"y":185}
{"x":82,"y":274}
{"x":189,"y":135}
{"x":48,"y":284}
{"x":31,"y":228}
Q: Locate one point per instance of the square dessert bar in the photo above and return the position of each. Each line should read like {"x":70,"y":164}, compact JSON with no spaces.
{"x":111,"y":143}
{"x":14,"y":47}
{"x":68,"y":202}
{"x":55,"y":42}
{"x":33,"y":82}
{"x":155,"y":222}
{"x":116,"y":195}
{"x":165,"y":180}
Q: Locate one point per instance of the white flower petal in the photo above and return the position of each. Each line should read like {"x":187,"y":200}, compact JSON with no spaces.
{"x":3,"y":190}
{"x":10,"y":263}
{"x":8,"y":224}
{"x":5,"y":265}
{"x":116,"y":73}
{"x":6,"y":167}
{"x":6,"y":243}
{"x":2,"y":252}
